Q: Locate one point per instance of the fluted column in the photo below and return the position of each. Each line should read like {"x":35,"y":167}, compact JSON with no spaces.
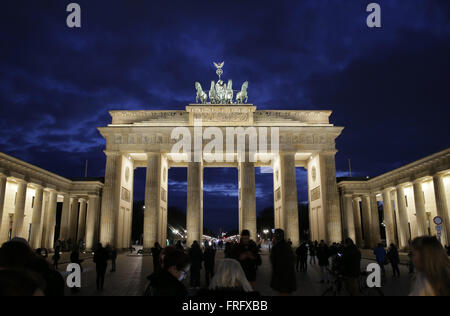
{"x":357,"y":220}
{"x":388,"y":217}
{"x":19,"y":209}
{"x":36,"y":220}
{"x":419,"y":202}
{"x":73,"y":219}
{"x":442,"y":207}
{"x":194,"y":203}
{"x":349,"y":218}
{"x":110,"y":198}
{"x":3,"y":181}
{"x":330,"y":197}
{"x":92,"y":222}
{"x":82,"y":220}
{"x":51,"y":220}
{"x":152,"y":199}
{"x":247,"y":198}
{"x":403,"y":228}
{"x":65,"y":215}
{"x":375,"y":220}
{"x":366,"y":221}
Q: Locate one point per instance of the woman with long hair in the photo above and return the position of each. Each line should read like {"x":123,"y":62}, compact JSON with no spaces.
{"x":433,"y":268}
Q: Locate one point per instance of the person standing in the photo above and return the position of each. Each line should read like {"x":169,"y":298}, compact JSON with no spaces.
{"x":56,"y":256}
{"x":312,"y":252}
{"x":323,"y":255}
{"x":351,"y":267}
{"x":282,"y":259}
{"x":101,"y":264}
{"x":113,"y":257}
{"x":380,"y":255}
{"x":247,"y":253}
{"x":394,"y":259}
{"x":433,"y":268}
{"x":302,"y":258}
{"x":210,"y":260}
{"x":156,"y":254}
{"x":196,"y":259}
{"x":169,"y":280}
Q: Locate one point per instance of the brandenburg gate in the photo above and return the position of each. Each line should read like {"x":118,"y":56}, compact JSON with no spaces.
{"x":219,"y":133}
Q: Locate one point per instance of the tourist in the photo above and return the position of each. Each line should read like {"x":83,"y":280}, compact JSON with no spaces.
{"x":302,"y":258}
{"x":350,"y":268}
{"x":433,"y":268}
{"x":156,"y":254}
{"x":282,"y":259}
{"x":380,"y":257}
{"x":101,"y":264}
{"x":169,"y":280}
{"x":56,"y":255}
{"x":394,"y":259}
{"x":196,"y":259}
{"x":323,"y":256}
{"x":18,"y":256}
{"x":229,"y":282}
{"x":113,"y":257}
{"x":179,"y":246}
{"x":247,"y":253}
{"x":312,"y":252}
{"x":210,"y":260}
{"x":75,"y":257}
{"x":14,"y":283}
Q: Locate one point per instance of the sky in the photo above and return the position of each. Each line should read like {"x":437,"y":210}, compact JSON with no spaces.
{"x":389,"y":87}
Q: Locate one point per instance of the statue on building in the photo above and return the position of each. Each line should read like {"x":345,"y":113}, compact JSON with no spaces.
{"x":242,"y":96}
{"x":221,"y":93}
{"x":200,"y":94}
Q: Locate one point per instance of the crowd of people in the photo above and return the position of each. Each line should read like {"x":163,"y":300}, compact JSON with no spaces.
{"x":26,"y":272}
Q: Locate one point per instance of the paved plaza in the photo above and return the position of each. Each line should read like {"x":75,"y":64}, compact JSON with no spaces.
{"x":132,"y":270}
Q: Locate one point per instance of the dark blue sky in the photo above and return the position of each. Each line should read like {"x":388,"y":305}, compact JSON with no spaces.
{"x":389,"y":87}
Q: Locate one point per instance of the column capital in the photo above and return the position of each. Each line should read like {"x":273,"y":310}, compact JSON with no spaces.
{"x":440,"y":174}
{"x":111,"y":153}
{"x":388,"y":189}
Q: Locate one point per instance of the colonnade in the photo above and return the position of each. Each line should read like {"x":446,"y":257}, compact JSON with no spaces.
{"x":408,"y":211}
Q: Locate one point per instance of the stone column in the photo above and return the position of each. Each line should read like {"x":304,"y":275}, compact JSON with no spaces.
{"x":82,"y":220}
{"x":367,"y":221}
{"x":388,"y":217}
{"x":330,"y":197}
{"x":419,"y":201}
{"x":349,"y":217}
{"x":73,"y":220}
{"x":64,"y":231}
{"x":92,"y":222}
{"x":194,"y":203}
{"x":3,"y":181}
{"x":442,"y":206}
{"x":375,"y":221}
{"x":19,"y":209}
{"x":36,"y":220}
{"x":403,"y":229}
{"x":357,"y":220}
{"x":247,"y":198}
{"x":289,"y":206}
{"x":51,"y":220}
{"x":152,"y":199}
{"x":110,"y":198}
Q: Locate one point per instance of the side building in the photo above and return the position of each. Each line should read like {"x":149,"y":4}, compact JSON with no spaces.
{"x":399,"y":205}
{"x":43,"y":207}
